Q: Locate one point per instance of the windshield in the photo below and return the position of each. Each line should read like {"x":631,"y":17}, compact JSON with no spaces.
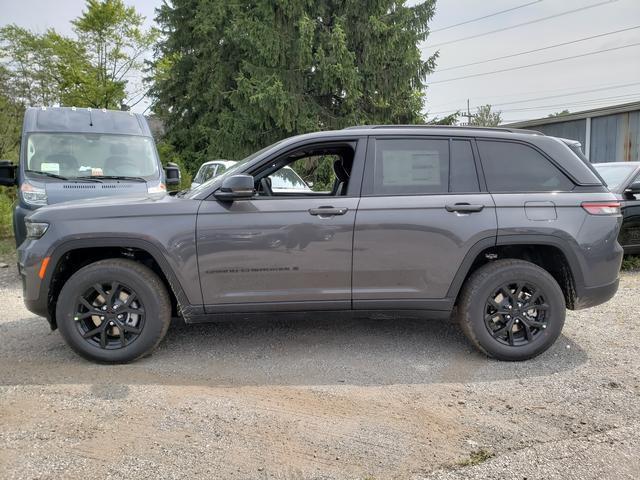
{"x":205,"y":173}
{"x":77,"y":155}
{"x":614,"y":175}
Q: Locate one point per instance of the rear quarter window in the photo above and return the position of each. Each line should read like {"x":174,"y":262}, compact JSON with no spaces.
{"x":516,"y":167}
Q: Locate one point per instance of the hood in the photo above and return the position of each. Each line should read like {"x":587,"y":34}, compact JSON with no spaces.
{"x":114,"y":207}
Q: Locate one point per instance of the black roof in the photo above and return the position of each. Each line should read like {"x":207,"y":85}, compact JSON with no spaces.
{"x":446,"y":127}
{"x":84,"y":120}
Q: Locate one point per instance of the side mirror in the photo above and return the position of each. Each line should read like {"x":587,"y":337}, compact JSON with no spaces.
{"x":236,"y":187}
{"x":633,"y":189}
{"x":8,"y":173}
{"x":172,"y":174}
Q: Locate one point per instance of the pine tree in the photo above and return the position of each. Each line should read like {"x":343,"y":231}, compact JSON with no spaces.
{"x":233,"y":77}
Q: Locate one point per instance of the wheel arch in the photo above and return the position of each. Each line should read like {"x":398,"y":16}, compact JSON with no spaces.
{"x":70,"y":255}
{"x":552,"y":253}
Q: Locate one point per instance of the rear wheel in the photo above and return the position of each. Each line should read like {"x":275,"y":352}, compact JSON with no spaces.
{"x":512,"y":309}
{"x":113,"y":311}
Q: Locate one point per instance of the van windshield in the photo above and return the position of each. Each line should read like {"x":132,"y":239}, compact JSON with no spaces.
{"x":77,"y":155}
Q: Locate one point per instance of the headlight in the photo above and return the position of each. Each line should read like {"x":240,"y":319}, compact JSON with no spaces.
{"x":36,"y":229}
{"x":156,"y":188}
{"x":33,"y":195}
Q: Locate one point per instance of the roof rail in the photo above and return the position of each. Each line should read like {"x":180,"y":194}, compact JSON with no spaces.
{"x":436,"y":127}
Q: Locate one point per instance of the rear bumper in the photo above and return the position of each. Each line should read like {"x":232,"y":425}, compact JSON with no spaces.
{"x":592,"y":296}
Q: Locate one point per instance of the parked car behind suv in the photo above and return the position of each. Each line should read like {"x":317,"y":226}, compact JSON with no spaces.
{"x":623,"y":179}
{"x":285,"y":180}
{"x":502,"y":229}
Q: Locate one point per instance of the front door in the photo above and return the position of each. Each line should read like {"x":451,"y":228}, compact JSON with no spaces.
{"x":289,"y":247}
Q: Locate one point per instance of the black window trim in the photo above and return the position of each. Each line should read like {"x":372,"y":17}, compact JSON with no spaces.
{"x":354,"y":189}
{"x":541,"y":152}
{"x":367,"y":177}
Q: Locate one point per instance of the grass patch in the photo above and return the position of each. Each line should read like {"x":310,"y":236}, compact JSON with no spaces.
{"x":7,"y":250}
{"x":477,"y":457}
{"x":631,"y":262}
{"x":7,"y":199}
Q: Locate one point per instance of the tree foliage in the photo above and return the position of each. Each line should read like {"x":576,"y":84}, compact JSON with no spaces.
{"x":232,"y":77}
{"x":91,"y":70}
{"x":559,"y":114}
{"x":485,"y":117}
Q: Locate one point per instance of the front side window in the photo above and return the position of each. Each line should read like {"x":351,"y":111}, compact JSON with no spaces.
{"x":76,"y":155}
{"x":515,"y":167}
{"x":318,"y":171}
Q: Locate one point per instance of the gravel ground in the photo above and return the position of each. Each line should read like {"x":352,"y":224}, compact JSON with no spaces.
{"x":332,"y":399}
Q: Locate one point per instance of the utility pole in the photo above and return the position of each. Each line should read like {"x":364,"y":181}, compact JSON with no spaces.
{"x":468,"y":114}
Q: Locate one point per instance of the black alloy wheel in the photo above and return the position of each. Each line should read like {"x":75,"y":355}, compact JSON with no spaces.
{"x":516,"y":313}
{"x":110,"y":316}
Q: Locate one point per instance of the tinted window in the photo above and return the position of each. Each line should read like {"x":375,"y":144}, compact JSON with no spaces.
{"x":411,"y":166}
{"x":464,"y":177}
{"x":514,"y":167}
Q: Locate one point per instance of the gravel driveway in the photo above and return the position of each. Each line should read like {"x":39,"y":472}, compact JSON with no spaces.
{"x":337,"y":398}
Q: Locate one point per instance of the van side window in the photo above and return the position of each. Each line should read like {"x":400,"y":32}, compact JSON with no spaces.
{"x":411,"y":166}
{"x":464,"y":177}
{"x":515,"y":167}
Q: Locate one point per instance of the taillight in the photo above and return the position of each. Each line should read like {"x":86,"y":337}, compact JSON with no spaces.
{"x":602,"y":208}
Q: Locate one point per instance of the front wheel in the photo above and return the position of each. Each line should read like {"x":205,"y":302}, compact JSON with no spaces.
{"x":113,"y":311}
{"x":511,"y":309}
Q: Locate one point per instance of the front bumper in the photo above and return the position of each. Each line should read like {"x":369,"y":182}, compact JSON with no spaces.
{"x":34,"y":289}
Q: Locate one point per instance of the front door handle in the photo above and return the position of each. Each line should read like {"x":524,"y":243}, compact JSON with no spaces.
{"x":328,"y":211}
{"x":464,"y":208}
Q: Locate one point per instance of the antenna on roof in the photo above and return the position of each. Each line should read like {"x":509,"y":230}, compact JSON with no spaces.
{"x":90,"y":117}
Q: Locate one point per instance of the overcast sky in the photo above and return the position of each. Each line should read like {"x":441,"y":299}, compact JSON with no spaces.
{"x":550,"y":88}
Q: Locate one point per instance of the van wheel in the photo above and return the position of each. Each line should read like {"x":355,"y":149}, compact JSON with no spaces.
{"x":511,"y":309}
{"x":113,"y":311}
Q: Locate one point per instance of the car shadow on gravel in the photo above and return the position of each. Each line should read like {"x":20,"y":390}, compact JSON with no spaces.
{"x":329,"y":351}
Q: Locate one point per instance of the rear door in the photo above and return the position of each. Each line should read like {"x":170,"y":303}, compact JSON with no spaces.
{"x":423,"y":208}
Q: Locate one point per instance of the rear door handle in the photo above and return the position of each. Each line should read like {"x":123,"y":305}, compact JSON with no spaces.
{"x":328,"y":211}
{"x":464,"y":208}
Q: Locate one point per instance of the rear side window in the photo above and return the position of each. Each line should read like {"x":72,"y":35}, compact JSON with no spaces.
{"x":515,"y":167}
{"x":464,"y":177}
{"x":414,"y":166}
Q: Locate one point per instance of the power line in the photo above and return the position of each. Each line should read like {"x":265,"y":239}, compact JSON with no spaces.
{"x":536,"y":64}
{"x":580,"y":92}
{"x":593,"y":103}
{"x":604,"y":100}
{"x":486,"y":16}
{"x":540,"y":49}
{"x":520,"y":94}
{"x":530,"y":22}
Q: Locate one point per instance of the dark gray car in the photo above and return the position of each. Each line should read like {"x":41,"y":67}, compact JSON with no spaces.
{"x":504,"y":229}
{"x":623,"y":179}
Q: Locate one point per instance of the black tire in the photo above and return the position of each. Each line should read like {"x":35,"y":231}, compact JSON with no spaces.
{"x":489,"y":296}
{"x":148,"y":305}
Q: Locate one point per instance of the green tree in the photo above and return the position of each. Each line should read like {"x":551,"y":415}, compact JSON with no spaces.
{"x":30,"y":63}
{"x":485,"y":117}
{"x":97,"y":69}
{"x":114,"y":43}
{"x":559,"y":114}
{"x":232,"y":77}
{"x":11,"y":113}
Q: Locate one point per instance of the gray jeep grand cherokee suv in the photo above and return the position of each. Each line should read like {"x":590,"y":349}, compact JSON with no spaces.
{"x":502,"y":229}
